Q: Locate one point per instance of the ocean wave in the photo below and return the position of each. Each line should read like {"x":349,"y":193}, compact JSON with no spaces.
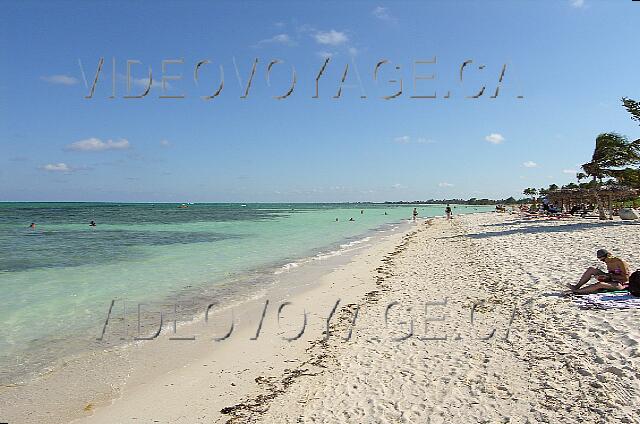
{"x":344,"y":248}
{"x":355,"y":242}
{"x":287,"y":267}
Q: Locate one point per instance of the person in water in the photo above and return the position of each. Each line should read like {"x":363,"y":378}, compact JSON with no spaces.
{"x":32,"y":226}
{"x":447,"y":210}
{"x":351,"y":219}
{"x":415,"y":214}
{"x":92,"y":224}
{"x":616,"y":277}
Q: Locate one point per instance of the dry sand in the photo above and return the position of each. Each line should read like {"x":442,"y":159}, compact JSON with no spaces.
{"x":458,"y":321}
{"x":556,"y":364}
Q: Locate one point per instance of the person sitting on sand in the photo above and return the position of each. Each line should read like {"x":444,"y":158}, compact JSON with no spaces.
{"x":616,"y":277}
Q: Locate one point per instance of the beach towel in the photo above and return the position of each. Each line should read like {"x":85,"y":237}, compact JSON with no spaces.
{"x":608,"y":300}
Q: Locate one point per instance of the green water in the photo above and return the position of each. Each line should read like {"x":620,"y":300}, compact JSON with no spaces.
{"x":57,"y":280}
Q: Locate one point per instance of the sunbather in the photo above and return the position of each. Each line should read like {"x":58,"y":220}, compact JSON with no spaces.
{"x":616,"y":277}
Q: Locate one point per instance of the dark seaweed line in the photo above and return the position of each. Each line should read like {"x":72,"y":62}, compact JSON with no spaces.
{"x":250,"y":409}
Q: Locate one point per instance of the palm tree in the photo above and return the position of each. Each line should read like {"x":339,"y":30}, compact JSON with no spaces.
{"x":531,"y":192}
{"x":628,"y":177}
{"x":612,"y":153}
{"x":632,"y":107}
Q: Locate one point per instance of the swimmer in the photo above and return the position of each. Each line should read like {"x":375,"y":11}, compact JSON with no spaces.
{"x":92,"y":224}
{"x":32,"y":226}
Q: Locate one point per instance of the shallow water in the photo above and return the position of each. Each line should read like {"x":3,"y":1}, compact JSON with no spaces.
{"x":57,"y":280}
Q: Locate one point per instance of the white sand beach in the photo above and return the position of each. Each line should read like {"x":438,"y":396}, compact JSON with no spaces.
{"x":458,"y":321}
{"x":557,"y":364}
{"x":278,"y":212}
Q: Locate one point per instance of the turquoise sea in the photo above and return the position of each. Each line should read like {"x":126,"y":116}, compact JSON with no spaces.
{"x":57,"y":280}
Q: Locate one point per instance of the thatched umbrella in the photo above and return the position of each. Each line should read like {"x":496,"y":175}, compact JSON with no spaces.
{"x":568,"y":197}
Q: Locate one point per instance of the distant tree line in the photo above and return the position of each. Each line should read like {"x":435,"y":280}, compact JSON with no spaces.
{"x":473,"y":201}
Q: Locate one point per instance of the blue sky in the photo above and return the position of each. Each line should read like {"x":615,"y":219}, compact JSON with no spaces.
{"x":571,"y":60}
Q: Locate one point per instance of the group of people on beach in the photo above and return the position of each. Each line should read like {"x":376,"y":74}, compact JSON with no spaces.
{"x":447,"y":211}
{"x":617,"y":277}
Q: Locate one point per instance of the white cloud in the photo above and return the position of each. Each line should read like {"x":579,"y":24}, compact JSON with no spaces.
{"x":60,"y":79}
{"x":352,"y":51}
{"x":422,"y":140}
{"x":332,"y":38}
{"x":405,"y":139}
{"x":144,"y":82}
{"x":530,"y":164}
{"x":445,"y":185}
{"x":577,"y":3}
{"x":383,"y":14}
{"x":305,"y":28}
{"x":398,"y":186}
{"x":283,"y":39}
{"x":402,"y":140}
{"x":494,"y":138}
{"x":569,"y":171}
{"x":96,"y":145}
{"x":57,"y":167}
{"x":155,"y":83}
{"x":325,"y":55}
{"x":165,"y":143}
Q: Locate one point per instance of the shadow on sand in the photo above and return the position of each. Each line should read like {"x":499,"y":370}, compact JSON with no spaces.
{"x":532,"y":229}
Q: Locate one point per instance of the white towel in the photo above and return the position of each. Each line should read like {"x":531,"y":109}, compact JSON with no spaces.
{"x":613,"y":300}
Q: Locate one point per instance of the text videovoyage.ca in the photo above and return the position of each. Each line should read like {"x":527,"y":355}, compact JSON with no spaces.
{"x":401,"y":320}
{"x":386,"y":76}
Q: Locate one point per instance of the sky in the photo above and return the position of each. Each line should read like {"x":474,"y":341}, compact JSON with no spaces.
{"x":568,"y":63}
